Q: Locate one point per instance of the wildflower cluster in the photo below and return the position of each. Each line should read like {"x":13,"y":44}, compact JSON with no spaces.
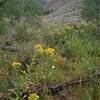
{"x":16,"y":65}
{"x":33,"y":96}
{"x":41,"y":50}
{"x":50,"y":51}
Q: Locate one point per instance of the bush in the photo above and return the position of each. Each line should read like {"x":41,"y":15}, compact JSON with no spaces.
{"x":21,"y":8}
{"x":91,"y":9}
{"x":4,"y":26}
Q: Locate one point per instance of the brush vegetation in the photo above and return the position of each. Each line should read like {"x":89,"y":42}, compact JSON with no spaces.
{"x":32,"y":54}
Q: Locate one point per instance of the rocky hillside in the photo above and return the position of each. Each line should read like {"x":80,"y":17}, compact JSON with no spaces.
{"x":63,"y":10}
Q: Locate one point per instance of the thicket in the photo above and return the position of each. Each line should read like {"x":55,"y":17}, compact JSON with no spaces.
{"x":20,"y":8}
{"x":91,"y":9}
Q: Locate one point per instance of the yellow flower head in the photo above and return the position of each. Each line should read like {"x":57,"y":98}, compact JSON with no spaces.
{"x":16,"y":65}
{"x":39,"y":48}
{"x":33,"y":96}
{"x":50,"y":51}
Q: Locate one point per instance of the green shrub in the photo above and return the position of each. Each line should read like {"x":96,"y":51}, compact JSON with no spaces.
{"x":91,"y":9}
{"x":21,"y":8}
{"x":3,"y":85}
{"x":4,"y":26}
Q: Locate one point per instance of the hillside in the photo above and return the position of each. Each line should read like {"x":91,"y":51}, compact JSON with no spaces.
{"x":64,"y":10}
{"x":47,"y":51}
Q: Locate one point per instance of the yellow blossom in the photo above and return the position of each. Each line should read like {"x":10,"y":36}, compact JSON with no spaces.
{"x":16,"y":65}
{"x":33,"y":96}
{"x":50,"y":51}
{"x":39,"y":48}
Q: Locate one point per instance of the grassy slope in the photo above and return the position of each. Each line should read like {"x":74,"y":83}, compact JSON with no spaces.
{"x":76,"y":53}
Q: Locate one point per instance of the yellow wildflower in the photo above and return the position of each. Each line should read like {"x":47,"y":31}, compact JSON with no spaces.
{"x":33,"y":96}
{"x":16,"y":65}
{"x":50,"y":51}
{"x":39,"y":48}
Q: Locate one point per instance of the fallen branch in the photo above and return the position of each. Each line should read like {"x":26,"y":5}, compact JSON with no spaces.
{"x":10,"y":49}
{"x":55,"y":89}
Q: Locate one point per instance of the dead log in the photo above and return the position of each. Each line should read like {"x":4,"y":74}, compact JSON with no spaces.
{"x":54,"y":89}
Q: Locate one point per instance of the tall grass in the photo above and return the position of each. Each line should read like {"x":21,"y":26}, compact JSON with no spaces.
{"x":58,"y":54}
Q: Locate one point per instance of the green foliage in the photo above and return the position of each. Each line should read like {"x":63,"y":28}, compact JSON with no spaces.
{"x":74,"y":50}
{"x":3,"y":85}
{"x":4,"y":26}
{"x":21,"y":8}
{"x":91,"y":9}
{"x":54,"y":54}
{"x":2,"y":2}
